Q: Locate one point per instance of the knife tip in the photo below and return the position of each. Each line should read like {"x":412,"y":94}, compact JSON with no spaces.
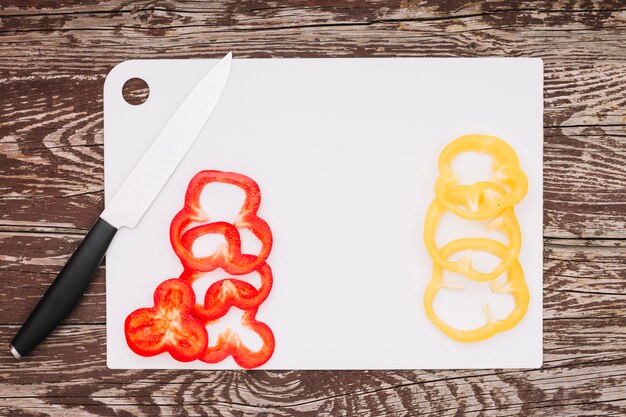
{"x":15,"y":353}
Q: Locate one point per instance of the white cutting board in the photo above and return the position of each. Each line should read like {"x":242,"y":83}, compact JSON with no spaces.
{"x":344,"y":151}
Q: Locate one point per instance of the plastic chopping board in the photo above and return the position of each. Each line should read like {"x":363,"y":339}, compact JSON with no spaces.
{"x":345,"y":154}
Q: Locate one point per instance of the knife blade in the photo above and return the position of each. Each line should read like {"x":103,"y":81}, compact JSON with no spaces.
{"x":126,"y":207}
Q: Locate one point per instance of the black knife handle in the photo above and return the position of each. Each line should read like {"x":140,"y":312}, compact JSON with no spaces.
{"x":65,"y":291}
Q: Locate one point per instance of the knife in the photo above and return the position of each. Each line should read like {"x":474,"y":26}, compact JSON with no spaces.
{"x":126,"y":208}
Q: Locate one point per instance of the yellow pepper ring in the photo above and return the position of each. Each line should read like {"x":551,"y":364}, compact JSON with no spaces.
{"x":514,"y":285}
{"x":478,"y":201}
{"x":484,"y":199}
{"x":506,"y":222}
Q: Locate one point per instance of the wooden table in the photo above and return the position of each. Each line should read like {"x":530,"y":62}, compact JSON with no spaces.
{"x":53,"y":61}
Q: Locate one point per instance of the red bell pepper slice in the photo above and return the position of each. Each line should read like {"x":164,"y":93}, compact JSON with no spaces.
{"x":229,"y":344}
{"x":229,"y":258}
{"x":176,"y":324}
{"x":230,"y":292}
{"x":169,"y":326}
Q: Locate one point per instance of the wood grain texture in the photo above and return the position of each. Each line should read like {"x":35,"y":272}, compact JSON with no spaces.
{"x":54,"y":57}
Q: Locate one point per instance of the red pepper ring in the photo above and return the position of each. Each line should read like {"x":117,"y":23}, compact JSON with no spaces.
{"x":169,"y":326}
{"x":229,"y":344}
{"x":230,"y":292}
{"x":202,"y":178}
{"x":219,"y":258}
{"x":228,"y":257}
{"x":232,"y":261}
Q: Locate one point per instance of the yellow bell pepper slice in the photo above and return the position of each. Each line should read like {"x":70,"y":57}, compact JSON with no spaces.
{"x":505,"y":222}
{"x":485,"y":199}
{"x":514,"y":285}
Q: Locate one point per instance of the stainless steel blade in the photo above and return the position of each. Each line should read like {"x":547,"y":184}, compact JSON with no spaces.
{"x":155,"y":167}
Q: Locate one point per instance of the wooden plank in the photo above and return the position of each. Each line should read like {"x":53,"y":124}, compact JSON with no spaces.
{"x":584,"y":370}
{"x":575,"y":94}
{"x":51,"y":157}
{"x":584,"y":180}
{"x":93,"y":40}
{"x":53,"y":60}
{"x":579,"y":281}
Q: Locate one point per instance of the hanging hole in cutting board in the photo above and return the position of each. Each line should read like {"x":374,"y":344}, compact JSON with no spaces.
{"x":135,"y":91}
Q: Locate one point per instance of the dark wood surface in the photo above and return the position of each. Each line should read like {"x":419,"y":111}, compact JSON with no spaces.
{"x":54,"y":57}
